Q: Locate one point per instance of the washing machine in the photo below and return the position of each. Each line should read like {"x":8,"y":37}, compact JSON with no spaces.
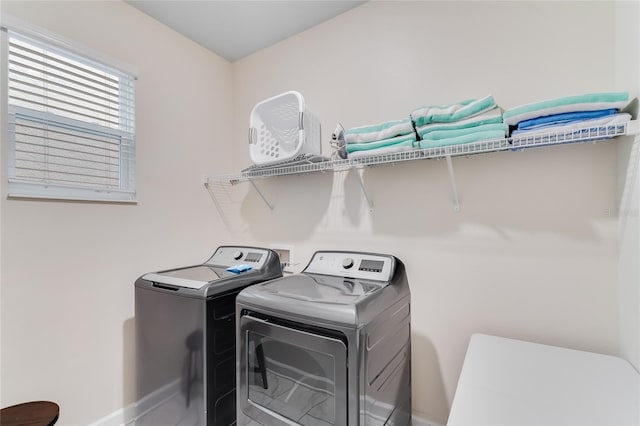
{"x":328,"y":346}
{"x":185,"y":337}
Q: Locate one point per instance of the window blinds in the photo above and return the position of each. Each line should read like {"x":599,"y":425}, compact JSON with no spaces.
{"x":71,"y":125}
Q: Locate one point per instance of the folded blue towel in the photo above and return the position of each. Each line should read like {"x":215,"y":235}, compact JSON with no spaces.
{"x":448,"y":134}
{"x":555,"y":119}
{"x":578,"y":125}
{"x":239,"y":268}
{"x":453,"y":112}
{"x":458,"y":140}
{"x":586,"y":102}
{"x":406,"y":140}
{"x":492,"y":116}
{"x":376,"y":132}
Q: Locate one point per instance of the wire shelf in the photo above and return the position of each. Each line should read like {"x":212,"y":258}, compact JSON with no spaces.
{"x":515,"y":143}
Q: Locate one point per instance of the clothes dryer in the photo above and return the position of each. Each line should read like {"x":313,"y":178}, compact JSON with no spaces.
{"x":185,"y":337}
{"x":329,"y":346}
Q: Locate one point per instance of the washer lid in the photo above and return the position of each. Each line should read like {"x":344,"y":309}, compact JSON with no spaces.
{"x":315,"y":288}
{"x":261,"y":262}
{"x":192,"y":277}
{"x":323,"y":298}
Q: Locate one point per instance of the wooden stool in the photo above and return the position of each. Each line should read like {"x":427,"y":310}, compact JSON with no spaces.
{"x":36,"y":413}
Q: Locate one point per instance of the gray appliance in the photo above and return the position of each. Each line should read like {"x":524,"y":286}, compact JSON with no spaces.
{"x":329,"y":346}
{"x":185,"y":337}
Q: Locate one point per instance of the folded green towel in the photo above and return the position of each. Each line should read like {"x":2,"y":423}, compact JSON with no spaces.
{"x":406,"y":140}
{"x":492,"y":116}
{"x":453,"y":112}
{"x":458,"y":140}
{"x":448,"y":134}
{"x":376,"y":132}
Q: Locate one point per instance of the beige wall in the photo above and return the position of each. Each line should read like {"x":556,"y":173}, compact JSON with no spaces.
{"x":533,"y":252}
{"x":628,"y":75}
{"x":68,"y":268}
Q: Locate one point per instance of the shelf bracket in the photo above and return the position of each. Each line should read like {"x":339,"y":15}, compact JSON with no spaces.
{"x":260,"y":194}
{"x":364,"y":190}
{"x":212,"y":193}
{"x":454,"y":186}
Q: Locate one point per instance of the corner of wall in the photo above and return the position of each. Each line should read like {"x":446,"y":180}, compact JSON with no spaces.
{"x":3,"y":127}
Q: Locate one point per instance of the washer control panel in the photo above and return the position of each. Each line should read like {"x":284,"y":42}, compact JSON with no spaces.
{"x":378,"y":267}
{"x":231,"y":256}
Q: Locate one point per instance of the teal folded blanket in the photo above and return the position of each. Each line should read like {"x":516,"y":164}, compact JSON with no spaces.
{"x":458,"y":140}
{"x":376,"y":132}
{"x":586,"y":102}
{"x":393,"y":149}
{"x":492,"y":116}
{"x":453,"y":112}
{"x":406,"y":140}
{"x":454,"y":133}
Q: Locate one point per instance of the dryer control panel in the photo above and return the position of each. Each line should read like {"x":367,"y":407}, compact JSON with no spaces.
{"x":377,"y":267}
{"x":230,"y":256}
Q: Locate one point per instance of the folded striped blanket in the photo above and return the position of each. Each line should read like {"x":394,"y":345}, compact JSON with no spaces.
{"x":404,"y":146}
{"x":406,"y":140}
{"x":447,"y":134}
{"x":463,"y":139}
{"x":376,"y":132}
{"x":454,"y":112}
{"x":493,"y":116}
{"x":586,"y":102}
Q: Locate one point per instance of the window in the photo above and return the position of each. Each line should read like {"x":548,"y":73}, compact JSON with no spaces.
{"x":70,"y":124}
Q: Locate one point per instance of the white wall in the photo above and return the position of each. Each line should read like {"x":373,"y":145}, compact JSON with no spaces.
{"x":533,"y":253}
{"x":628,"y":75}
{"x":629,"y":267}
{"x":68,"y":268}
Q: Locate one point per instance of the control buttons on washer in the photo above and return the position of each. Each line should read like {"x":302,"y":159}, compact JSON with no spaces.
{"x":237,"y":255}
{"x":347,"y":262}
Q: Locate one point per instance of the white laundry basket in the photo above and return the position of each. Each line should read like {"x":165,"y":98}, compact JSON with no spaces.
{"x":281,"y":128}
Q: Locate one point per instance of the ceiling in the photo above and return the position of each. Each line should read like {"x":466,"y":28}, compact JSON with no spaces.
{"x":236,"y":28}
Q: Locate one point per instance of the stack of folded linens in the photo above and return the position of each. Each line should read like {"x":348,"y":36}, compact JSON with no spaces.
{"x":382,"y":138}
{"x":464,"y":122}
{"x":568,"y":115}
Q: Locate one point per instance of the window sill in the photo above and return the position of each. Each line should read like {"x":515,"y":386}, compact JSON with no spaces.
{"x":25,"y":197}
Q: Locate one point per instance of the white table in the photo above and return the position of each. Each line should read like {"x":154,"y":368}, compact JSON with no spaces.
{"x":511,"y":382}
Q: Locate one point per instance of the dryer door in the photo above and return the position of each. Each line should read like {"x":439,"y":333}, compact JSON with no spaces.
{"x":290,"y":377}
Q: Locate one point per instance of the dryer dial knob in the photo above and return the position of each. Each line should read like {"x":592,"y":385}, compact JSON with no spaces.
{"x":237,"y":255}
{"x":347,"y":262}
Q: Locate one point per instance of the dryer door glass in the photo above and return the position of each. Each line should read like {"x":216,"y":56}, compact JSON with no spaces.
{"x":297,"y":375}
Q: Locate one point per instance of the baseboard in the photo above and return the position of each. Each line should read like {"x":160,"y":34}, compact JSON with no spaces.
{"x":128,"y":415}
{"x":121,"y":417}
{"x":419,"y":421}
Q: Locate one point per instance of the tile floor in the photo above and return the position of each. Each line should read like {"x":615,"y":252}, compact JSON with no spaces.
{"x":297,"y":401}
{"x":174,"y":412}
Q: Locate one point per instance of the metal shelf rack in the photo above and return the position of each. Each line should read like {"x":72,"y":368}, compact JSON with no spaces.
{"x":516,"y":143}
